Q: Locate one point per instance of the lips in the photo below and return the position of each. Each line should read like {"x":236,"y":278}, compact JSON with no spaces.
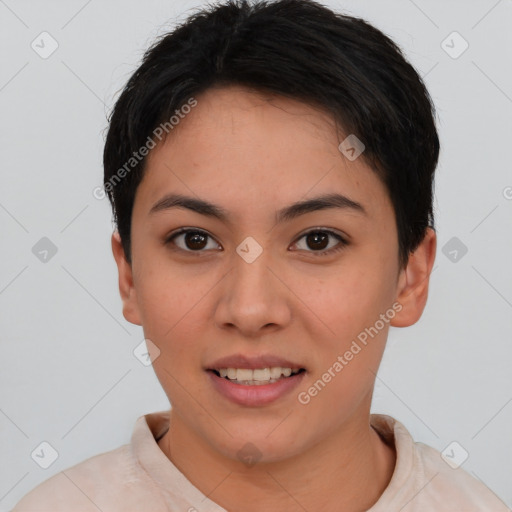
{"x":255,"y":395}
{"x":253,"y":362}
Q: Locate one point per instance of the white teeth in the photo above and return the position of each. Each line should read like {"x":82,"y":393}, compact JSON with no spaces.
{"x":244,"y":374}
{"x":258,"y":375}
{"x":275,"y":372}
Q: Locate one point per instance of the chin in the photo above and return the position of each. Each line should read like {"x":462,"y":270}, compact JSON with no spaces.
{"x":257,"y":443}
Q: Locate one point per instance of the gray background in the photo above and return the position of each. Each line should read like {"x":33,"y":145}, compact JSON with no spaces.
{"x":68,"y":373}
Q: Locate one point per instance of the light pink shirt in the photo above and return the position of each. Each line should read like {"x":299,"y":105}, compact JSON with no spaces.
{"x":139,"y":477}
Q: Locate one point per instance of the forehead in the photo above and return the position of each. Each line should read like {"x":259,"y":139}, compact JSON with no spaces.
{"x":245,"y":148}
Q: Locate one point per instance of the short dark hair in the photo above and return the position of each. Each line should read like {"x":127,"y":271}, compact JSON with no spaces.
{"x":302,"y":50}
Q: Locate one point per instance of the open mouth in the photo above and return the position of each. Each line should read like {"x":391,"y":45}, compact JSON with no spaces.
{"x":256,"y":377}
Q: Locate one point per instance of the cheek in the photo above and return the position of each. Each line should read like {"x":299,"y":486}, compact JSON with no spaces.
{"x":169,"y":307}
{"x":351,"y":299}
{"x":350,"y":303}
{"x":168,"y":301}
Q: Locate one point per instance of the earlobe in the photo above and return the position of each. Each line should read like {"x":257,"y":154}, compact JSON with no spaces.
{"x":412,"y":288}
{"x":126,"y":286}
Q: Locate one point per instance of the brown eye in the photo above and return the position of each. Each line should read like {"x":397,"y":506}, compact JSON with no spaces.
{"x":191,"y":240}
{"x":318,"y":242}
{"x":195,"y":240}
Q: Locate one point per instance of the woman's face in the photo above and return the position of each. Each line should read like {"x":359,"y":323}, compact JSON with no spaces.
{"x":254,"y":283}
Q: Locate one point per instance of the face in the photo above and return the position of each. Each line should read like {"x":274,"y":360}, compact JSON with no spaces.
{"x":255,"y":278}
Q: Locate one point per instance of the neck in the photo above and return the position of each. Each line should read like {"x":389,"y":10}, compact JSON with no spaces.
{"x":354,"y":464}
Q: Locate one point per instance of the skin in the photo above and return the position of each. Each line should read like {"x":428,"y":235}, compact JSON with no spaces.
{"x":253,"y":154}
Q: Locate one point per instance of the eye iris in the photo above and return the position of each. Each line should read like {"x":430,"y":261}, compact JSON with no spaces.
{"x":195,"y":240}
{"x":317,"y":240}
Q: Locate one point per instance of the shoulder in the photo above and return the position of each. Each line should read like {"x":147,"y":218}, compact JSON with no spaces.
{"x":109,"y":481}
{"x":450,"y":486}
{"x":424,"y":479}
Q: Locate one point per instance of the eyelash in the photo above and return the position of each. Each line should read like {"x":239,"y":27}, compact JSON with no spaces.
{"x":343,"y":243}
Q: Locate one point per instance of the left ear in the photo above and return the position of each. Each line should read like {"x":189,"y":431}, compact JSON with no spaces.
{"x":412,"y":289}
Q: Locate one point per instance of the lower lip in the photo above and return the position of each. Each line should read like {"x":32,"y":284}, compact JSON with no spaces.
{"x":255,"y":395}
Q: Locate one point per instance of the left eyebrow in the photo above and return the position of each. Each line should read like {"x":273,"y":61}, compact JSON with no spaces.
{"x":285,"y":214}
{"x":318,"y":203}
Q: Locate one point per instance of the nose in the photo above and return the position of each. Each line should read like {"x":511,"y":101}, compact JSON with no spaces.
{"x":253,"y":297}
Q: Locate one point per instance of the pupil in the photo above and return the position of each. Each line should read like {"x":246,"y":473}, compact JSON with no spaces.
{"x":195,"y":240}
{"x":317,"y":240}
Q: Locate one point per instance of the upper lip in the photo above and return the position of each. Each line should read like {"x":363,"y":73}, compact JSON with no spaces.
{"x":253,"y":362}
